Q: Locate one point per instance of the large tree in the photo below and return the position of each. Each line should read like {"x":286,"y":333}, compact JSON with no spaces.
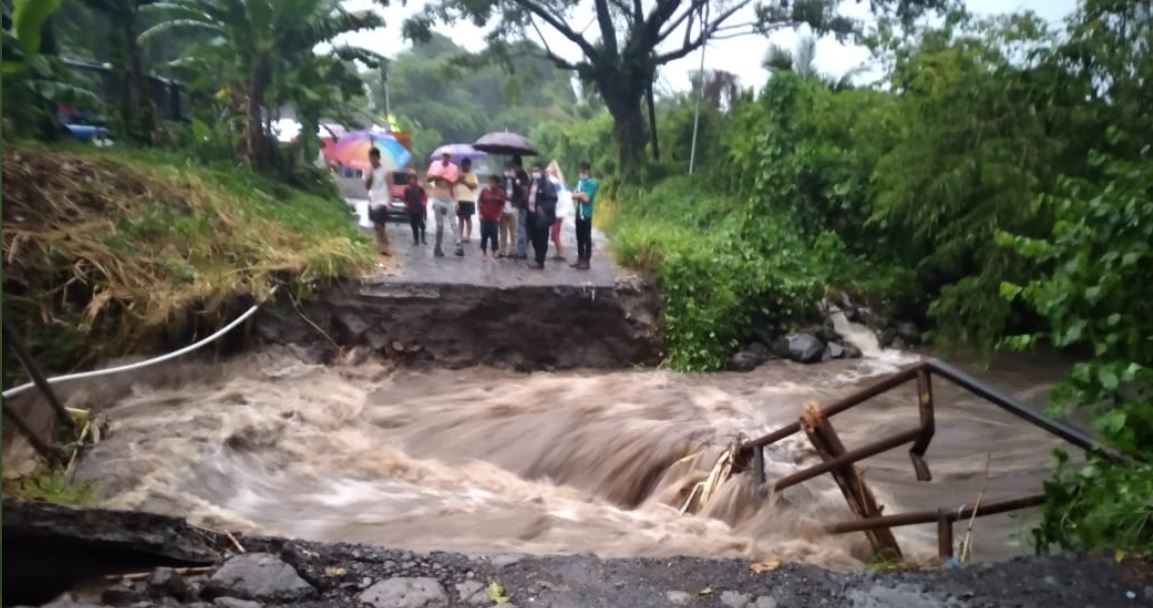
{"x":633,"y":38}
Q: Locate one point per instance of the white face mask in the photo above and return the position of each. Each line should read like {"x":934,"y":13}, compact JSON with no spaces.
{"x":536,"y":174}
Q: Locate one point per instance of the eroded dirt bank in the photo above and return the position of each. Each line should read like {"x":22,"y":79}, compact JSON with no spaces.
{"x":279,"y":572}
{"x":522,"y":327}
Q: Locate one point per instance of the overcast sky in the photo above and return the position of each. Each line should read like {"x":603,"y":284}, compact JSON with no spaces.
{"x":741,"y":56}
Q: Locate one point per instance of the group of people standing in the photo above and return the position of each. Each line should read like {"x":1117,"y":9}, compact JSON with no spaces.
{"x":515,"y":209}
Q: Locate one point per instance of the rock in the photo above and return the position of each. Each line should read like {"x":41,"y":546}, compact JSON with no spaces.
{"x":851,"y":352}
{"x":835,"y":351}
{"x":472,"y":593}
{"x":320,"y":354}
{"x":800,"y":347}
{"x":165,"y":581}
{"x":233,"y":602}
{"x":679,"y":598}
{"x":765,"y":601}
{"x":760,"y":349}
{"x":258,"y":576}
{"x":898,"y":343}
{"x":735,"y":599}
{"x":504,"y":560}
{"x":377,"y":339}
{"x":406,"y":592}
{"x":745,"y":361}
{"x":121,"y":594}
{"x":351,"y":325}
{"x":908,"y":332}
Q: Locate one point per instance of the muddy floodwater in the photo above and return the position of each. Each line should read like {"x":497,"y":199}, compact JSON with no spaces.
{"x":481,"y":460}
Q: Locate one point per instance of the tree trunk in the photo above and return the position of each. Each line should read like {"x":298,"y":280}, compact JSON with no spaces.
{"x":624,"y":104}
{"x":254,"y":130}
{"x":135,"y":103}
{"x":653,"y":123}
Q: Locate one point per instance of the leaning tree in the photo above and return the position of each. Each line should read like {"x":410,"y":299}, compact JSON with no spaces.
{"x":633,"y":38}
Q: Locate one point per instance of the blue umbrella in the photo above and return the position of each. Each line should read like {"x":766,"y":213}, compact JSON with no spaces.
{"x":458,"y":152}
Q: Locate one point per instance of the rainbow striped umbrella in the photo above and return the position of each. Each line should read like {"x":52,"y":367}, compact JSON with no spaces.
{"x":352,"y":151}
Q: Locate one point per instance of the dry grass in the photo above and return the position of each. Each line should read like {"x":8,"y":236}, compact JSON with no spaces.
{"x":113,"y":252}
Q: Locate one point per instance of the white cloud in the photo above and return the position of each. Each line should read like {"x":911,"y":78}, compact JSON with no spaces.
{"x":741,"y":56}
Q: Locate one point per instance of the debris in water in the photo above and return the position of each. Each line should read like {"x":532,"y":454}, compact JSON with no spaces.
{"x":334,"y":571}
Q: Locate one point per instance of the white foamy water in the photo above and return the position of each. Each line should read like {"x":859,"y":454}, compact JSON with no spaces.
{"x":481,"y":460}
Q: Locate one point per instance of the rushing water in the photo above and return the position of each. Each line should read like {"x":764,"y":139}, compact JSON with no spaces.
{"x":482,"y":460}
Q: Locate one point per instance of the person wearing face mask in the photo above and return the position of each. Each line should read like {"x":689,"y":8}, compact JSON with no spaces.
{"x":509,"y":215}
{"x":584,"y":194}
{"x":541,"y":205}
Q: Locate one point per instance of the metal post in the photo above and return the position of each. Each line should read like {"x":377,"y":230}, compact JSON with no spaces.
{"x":700,"y":91}
{"x":12,"y":342}
{"x":944,"y":534}
{"x":387,"y":102}
{"x":758,"y":472}
{"x":861,"y":500}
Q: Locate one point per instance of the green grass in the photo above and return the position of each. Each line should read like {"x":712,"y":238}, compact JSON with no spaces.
{"x":115,"y":251}
{"x":51,"y":485}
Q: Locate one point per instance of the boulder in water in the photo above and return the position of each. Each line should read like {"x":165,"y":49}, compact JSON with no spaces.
{"x":800,"y":347}
{"x":760,"y":349}
{"x":745,"y":361}
{"x":834,"y":350}
{"x":908,"y":332}
{"x":851,"y":352}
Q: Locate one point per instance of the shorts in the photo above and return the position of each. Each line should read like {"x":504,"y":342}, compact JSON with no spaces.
{"x":465,"y":209}
{"x":378,"y":214}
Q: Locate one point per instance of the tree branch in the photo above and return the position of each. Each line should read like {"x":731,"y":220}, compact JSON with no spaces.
{"x":694,"y":7}
{"x":536,"y":9}
{"x":548,"y":54}
{"x":608,"y":31}
{"x":709,"y":31}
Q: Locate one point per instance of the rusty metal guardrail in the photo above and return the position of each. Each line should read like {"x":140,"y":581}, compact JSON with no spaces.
{"x":839,"y":462}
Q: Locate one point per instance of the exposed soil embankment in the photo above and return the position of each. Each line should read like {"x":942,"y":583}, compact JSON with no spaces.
{"x":523,"y":327}
{"x":279,"y":572}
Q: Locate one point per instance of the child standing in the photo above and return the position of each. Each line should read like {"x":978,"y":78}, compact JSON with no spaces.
{"x":491,"y":209}
{"x":416,"y":204}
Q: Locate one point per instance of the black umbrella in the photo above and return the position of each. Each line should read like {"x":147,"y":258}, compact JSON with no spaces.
{"x":511,"y":144}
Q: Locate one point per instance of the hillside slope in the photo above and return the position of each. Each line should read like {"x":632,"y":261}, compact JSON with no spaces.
{"x":115,"y":252}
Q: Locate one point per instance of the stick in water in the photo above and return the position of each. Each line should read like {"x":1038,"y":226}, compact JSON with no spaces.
{"x":967,"y":544}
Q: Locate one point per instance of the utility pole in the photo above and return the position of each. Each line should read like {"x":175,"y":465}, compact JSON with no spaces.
{"x":700,"y":90}
{"x":387,"y":102}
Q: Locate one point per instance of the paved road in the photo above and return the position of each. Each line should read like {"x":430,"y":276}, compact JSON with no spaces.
{"x":416,"y":264}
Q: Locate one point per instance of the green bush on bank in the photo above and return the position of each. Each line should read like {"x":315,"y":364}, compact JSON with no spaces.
{"x":729,"y":272}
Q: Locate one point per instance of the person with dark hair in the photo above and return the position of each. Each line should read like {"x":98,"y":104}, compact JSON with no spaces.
{"x":491,"y":208}
{"x":416,"y":205}
{"x":442,"y":175}
{"x":378,"y":196}
{"x":541,"y":213}
{"x":520,"y":201}
{"x":510,"y":216}
{"x":584,"y":194}
{"x":466,"y":190}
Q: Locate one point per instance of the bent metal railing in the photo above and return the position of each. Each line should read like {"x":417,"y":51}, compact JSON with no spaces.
{"x":839,"y":462}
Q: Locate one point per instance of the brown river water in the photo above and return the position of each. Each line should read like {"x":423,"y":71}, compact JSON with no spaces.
{"x":482,"y":460}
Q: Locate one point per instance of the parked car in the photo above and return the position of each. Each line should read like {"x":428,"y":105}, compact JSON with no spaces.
{"x":396,"y":210}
